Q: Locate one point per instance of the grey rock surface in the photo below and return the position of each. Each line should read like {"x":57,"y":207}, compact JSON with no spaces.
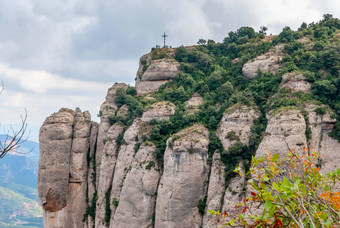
{"x":235,"y":125}
{"x":216,"y":190}
{"x":160,"y":110}
{"x":268,"y":62}
{"x":285,"y":131}
{"x":184,"y":179}
{"x":295,"y":82}
{"x":152,"y":74}
{"x":327,"y":147}
{"x":192,"y":105}
{"x":62,"y":178}
{"x":138,"y":196}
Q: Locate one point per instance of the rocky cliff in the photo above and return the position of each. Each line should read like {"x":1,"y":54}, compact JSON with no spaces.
{"x":167,"y":163}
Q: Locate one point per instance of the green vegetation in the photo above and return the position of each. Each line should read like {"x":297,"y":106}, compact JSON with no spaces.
{"x":107,"y":208}
{"x":150,"y":165}
{"x":231,"y":135}
{"x":115,"y":202}
{"x":91,"y":210}
{"x":135,"y":107}
{"x":289,"y":192}
{"x":202,"y":204}
{"x":214,"y":70}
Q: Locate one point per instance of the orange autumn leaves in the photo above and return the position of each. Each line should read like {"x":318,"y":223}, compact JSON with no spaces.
{"x":332,"y":198}
{"x":289,"y":192}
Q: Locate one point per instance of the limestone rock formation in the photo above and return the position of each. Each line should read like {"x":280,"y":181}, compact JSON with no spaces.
{"x":184,"y":179}
{"x":136,"y":204}
{"x":235,"y":125}
{"x":191,"y":105}
{"x":66,"y":138}
{"x":154,"y":73}
{"x":268,"y":62}
{"x":285,"y":131}
{"x":159,"y":111}
{"x":216,"y":190}
{"x":320,"y":142}
{"x":295,"y":82}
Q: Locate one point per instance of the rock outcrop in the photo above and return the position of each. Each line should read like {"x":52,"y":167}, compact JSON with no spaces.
{"x":235,"y":126}
{"x":192,"y":105}
{"x":285,"y":131}
{"x":152,"y":74}
{"x":66,"y":138}
{"x":216,"y":190}
{"x":159,"y":111}
{"x":268,"y":62}
{"x":137,"y":200}
{"x":295,"y":82}
{"x":320,"y":142}
{"x":184,"y":180}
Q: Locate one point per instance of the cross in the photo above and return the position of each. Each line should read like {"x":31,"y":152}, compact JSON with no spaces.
{"x":164,"y":36}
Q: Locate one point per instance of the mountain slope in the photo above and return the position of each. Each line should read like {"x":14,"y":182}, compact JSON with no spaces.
{"x":16,"y":210}
{"x":18,"y":182}
{"x":164,"y":152}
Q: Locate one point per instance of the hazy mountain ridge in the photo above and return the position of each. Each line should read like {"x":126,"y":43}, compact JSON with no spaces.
{"x":16,"y":209}
{"x":19,"y":204}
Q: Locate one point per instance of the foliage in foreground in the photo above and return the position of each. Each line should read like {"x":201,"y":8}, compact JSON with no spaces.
{"x":287,"y":192}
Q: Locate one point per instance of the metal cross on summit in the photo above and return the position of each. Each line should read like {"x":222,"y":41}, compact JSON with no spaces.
{"x":164,"y":36}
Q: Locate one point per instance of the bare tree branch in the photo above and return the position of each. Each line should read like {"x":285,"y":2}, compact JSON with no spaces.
{"x":2,"y":87}
{"x":12,"y":143}
{"x":14,"y":138}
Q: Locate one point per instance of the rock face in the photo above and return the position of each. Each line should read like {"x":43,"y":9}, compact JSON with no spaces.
{"x":159,"y":111}
{"x":268,"y":62}
{"x":320,"y":142}
{"x":216,"y":190}
{"x":235,"y":126}
{"x":285,"y":131}
{"x":152,"y":74}
{"x":184,"y":180}
{"x":109,"y":175}
{"x":191,"y":105}
{"x":295,"y":82}
{"x":137,"y":200}
{"x":65,"y":141}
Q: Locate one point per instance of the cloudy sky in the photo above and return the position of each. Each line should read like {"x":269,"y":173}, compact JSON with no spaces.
{"x":67,"y":53}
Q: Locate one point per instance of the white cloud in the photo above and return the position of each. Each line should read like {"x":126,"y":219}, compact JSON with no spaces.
{"x":42,"y":93}
{"x":40,"y":81}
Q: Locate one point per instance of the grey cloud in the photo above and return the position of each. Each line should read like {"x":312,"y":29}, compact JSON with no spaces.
{"x":121,"y":31}
{"x":101,"y":40}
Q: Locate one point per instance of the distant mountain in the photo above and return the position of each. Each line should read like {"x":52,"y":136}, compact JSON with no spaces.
{"x":17,"y":210}
{"x":19,"y":203}
{"x":20,"y":167}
